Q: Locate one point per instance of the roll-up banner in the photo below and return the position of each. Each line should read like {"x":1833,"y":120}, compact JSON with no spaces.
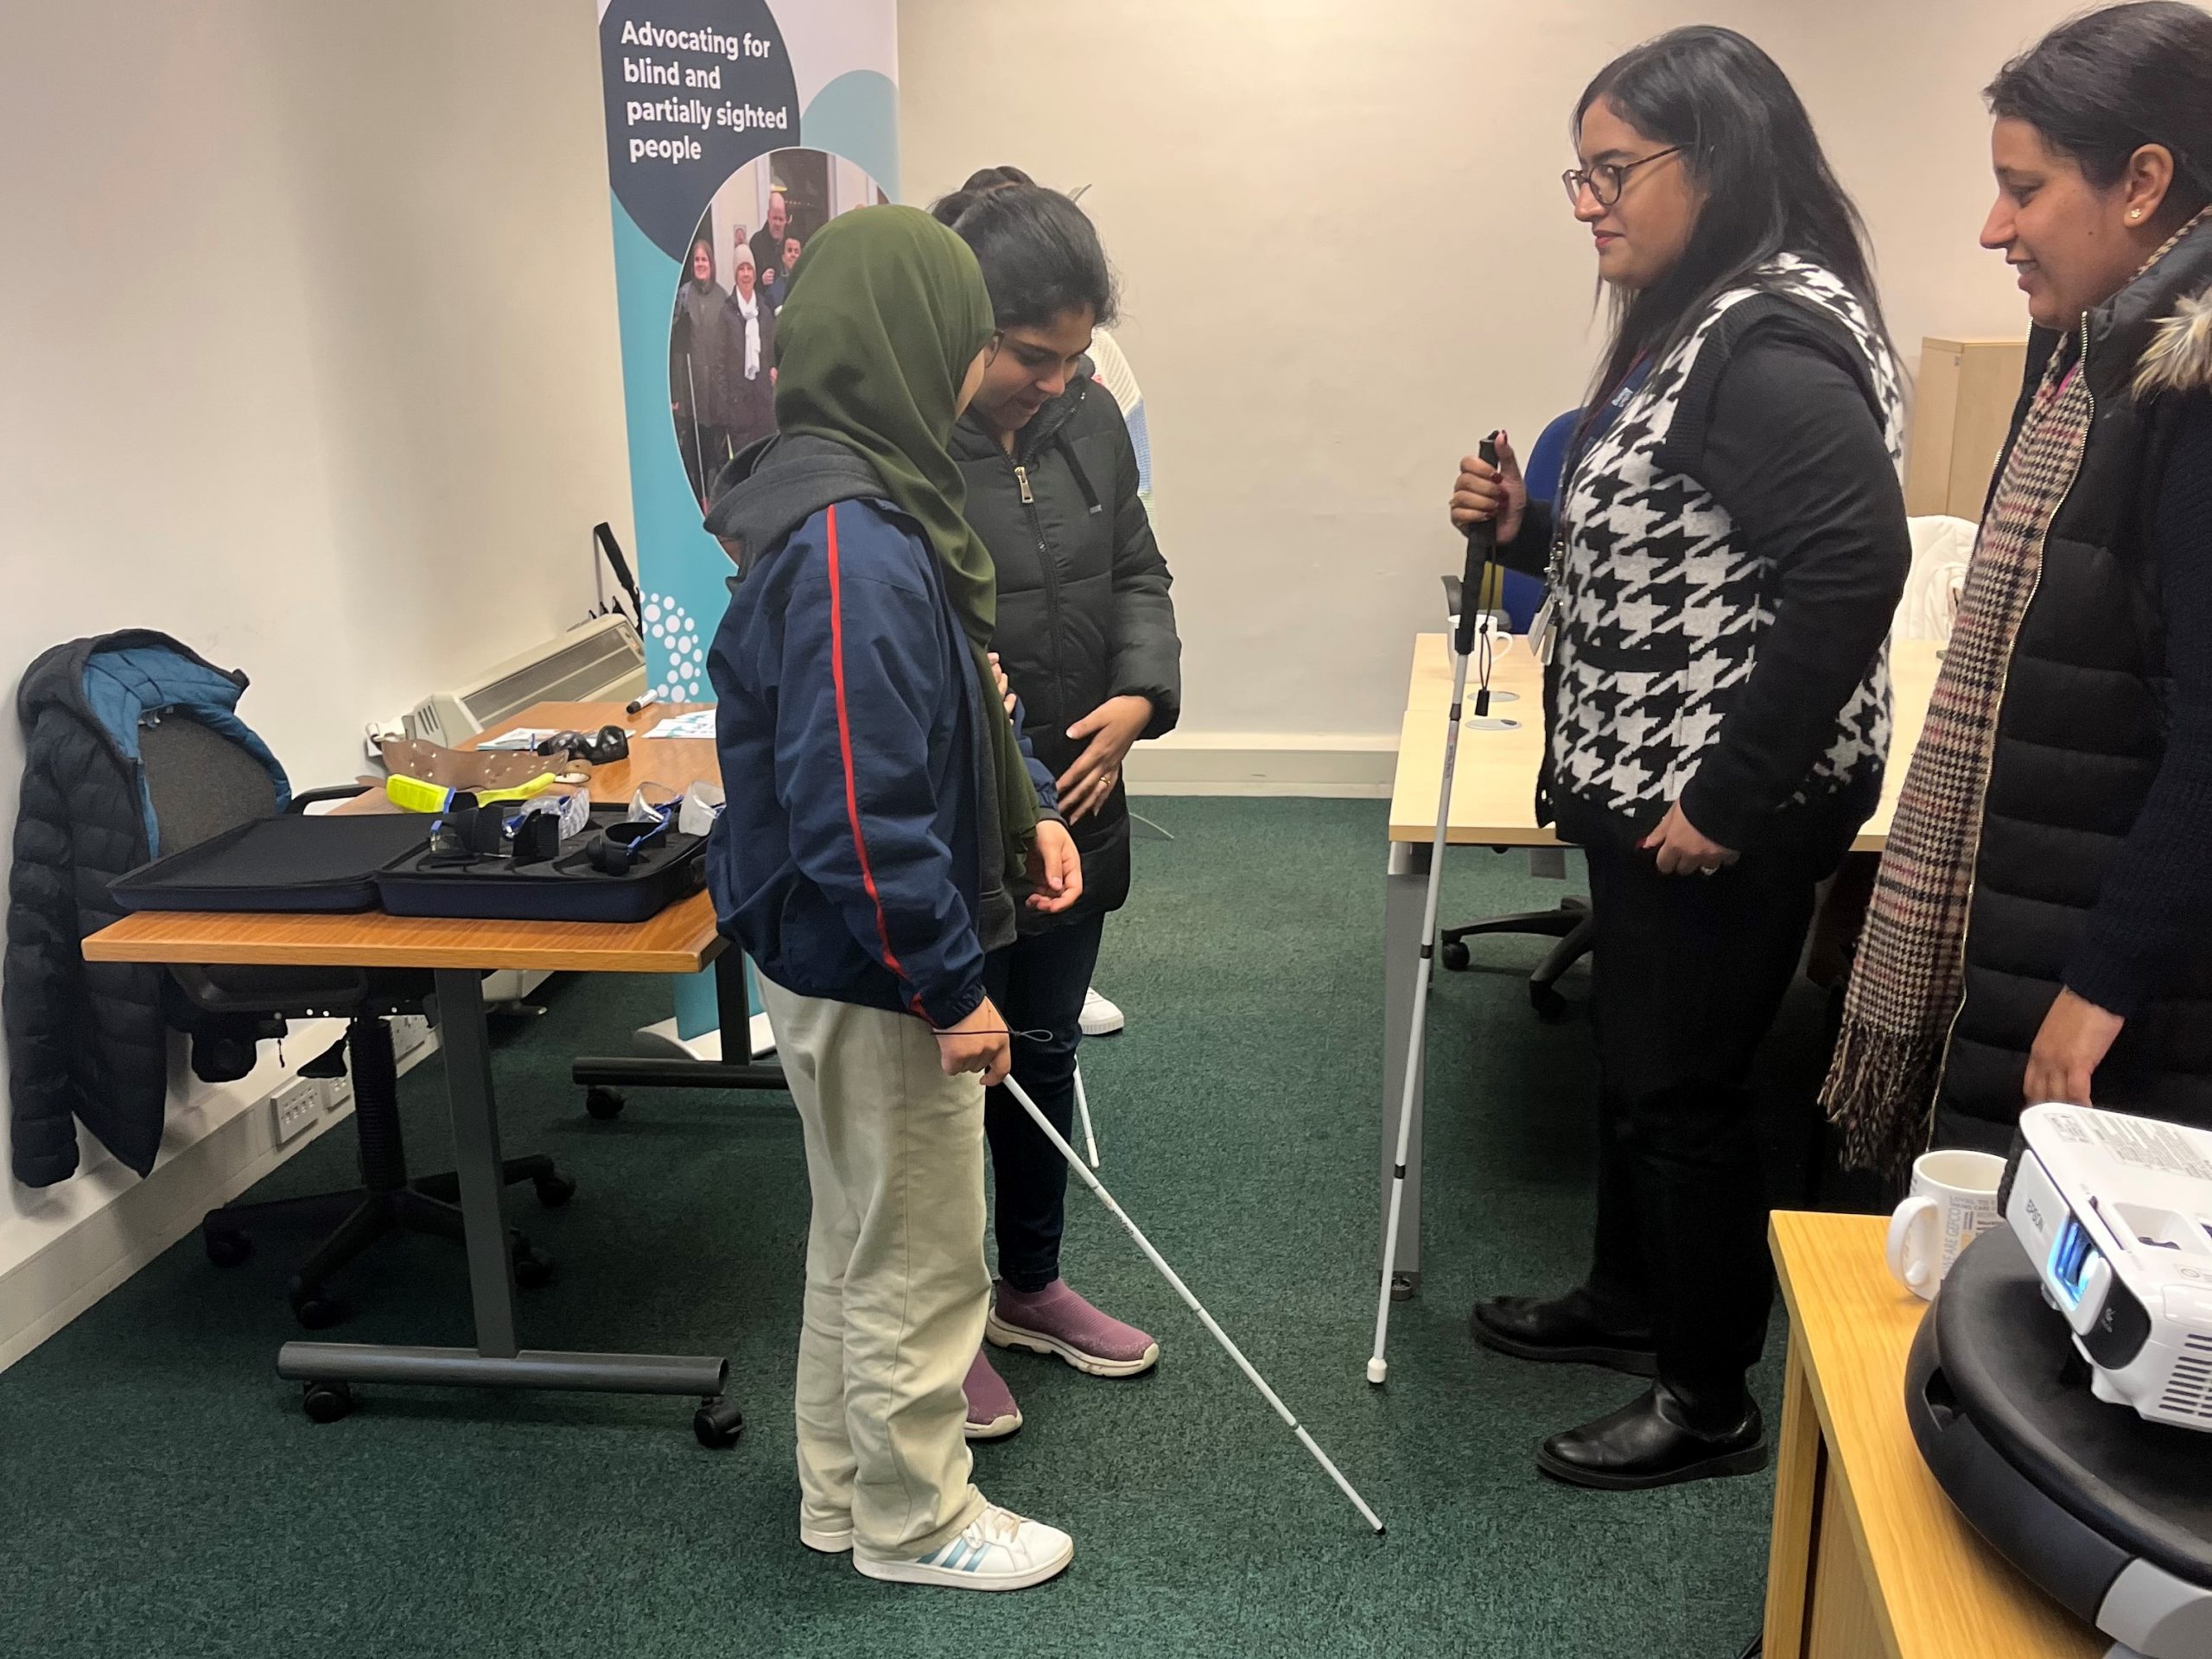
{"x":735,"y":128}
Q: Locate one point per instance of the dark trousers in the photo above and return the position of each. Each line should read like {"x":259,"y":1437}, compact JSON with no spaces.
{"x":706,"y":452}
{"x":1038,"y":983}
{"x":1688,"y":974}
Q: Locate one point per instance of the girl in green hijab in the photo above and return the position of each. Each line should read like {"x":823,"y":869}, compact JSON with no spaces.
{"x":881,"y":813}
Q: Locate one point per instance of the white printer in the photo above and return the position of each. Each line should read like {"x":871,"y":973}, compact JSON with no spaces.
{"x":2115,"y":1213}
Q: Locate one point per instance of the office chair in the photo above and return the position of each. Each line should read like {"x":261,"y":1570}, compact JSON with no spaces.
{"x":1571,"y":923}
{"x":200,"y":784}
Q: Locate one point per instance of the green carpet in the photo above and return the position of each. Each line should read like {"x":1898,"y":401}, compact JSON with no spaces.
{"x":164,"y":1496}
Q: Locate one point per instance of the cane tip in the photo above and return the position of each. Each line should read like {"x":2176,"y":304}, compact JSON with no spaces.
{"x":1380,"y":1528}
{"x":1378,"y":1371}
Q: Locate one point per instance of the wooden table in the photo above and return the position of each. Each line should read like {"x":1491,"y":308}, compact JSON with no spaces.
{"x":1870,"y":1558}
{"x":1494,"y":805}
{"x":681,"y":939}
{"x":1494,"y":784}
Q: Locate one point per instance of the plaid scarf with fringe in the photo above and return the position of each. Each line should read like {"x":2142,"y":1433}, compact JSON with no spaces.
{"x":1909,"y":975}
{"x":1908,"y":978}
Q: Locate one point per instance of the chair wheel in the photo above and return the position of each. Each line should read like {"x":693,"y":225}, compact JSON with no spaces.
{"x":227,"y":1249}
{"x":603,"y":1103}
{"x":554,"y":1190}
{"x":314,"y":1308}
{"x":1455,"y":956}
{"x":326,"y":1402}
{"x":718,"y":1422}
{"x":532,"y":1271}
{"x":1550,"y":1005}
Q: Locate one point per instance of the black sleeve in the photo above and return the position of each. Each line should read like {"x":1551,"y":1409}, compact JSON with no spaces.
{"x":2155,"y":902}
{"x":1530,"y":551}
{"x":1147,"y":652}
{"x":1792,"y":450}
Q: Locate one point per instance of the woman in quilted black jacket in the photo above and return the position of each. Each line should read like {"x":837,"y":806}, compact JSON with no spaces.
{"x":1086,"y":637}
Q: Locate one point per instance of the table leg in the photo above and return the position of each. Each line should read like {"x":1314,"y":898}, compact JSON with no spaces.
{"x":495,"y":1362}
{"x":1404,"y":900}
{"x":670,"y":1071}
{"x":476,"y":1159}
{"x":1797,"y":1478}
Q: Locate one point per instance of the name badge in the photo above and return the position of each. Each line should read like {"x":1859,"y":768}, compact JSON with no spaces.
{"x":1543,"y":631}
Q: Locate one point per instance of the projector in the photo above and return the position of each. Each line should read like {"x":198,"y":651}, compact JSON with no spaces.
{"x":2115,"y":1213}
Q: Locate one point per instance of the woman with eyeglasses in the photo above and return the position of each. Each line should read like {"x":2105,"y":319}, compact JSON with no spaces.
{"x":1726,"y":553}
{"x":1086,"y":630}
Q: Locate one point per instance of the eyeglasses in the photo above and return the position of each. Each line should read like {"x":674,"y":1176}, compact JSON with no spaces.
{"x":1606,"y":181}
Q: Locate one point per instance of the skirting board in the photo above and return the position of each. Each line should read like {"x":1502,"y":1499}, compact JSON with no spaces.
{"x":104,"y":1224}
{"x":1335,"y":766}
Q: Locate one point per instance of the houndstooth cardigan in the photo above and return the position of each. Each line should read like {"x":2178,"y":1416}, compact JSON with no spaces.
{"x":1660,"y":606}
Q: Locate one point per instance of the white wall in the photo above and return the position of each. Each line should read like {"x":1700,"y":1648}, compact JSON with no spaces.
{"x":307,"y":352}
{"x":1347,"y":255}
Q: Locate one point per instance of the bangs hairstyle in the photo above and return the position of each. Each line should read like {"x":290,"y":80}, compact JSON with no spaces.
{"x":1040,"y":251}
{"x":1763,"y":185}
{"x":2101,"y":86}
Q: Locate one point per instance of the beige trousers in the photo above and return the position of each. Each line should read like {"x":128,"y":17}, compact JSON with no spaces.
{"x":896,"y":1284}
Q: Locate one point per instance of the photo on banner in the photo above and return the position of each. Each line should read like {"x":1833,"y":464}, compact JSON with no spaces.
{"x":724,"y":119}
{"x":721,"y":332}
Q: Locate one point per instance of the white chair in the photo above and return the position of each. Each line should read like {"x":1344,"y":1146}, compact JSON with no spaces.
{"x":1941,"y":547}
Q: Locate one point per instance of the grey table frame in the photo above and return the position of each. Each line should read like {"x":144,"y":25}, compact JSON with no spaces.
{"x":497,"y":1360}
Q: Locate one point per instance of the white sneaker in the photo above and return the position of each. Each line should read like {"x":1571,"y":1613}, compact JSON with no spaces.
{"x":1100,"y":1017}
{"x":998,"y":1550}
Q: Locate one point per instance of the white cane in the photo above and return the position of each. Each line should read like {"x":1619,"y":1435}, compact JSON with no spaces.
{"x":698,"y":438}
{"x":1083,"y":1111}
{"x":1075,"y":1163}
{"x":1482,"y":544}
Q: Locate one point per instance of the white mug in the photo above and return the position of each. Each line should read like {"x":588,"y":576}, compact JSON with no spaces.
{"x":1954,"y":1198}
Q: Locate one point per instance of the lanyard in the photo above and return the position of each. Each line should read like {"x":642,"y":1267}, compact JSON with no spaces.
{"x":1544,"y":632}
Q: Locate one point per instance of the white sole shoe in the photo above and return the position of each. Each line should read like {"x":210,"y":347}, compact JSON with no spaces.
{"x":825,"y":1543}
{"x":997,"y":1551}
{"x":997,"y":1429}
{"x":1001,"y":1335}
{"x":1100,"y":1017}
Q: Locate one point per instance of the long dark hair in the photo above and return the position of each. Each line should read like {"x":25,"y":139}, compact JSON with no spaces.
{"x":1766,"y":187}
{"x":1039,"y":252}
{"x":2099,"y":87}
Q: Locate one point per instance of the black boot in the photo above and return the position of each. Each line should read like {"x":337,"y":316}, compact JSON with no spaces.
{"x":1570,"y":1329}
{"x":1665,"y":1436}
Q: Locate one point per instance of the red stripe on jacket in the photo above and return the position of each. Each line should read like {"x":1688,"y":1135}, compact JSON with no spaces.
{"x":845,"y":748}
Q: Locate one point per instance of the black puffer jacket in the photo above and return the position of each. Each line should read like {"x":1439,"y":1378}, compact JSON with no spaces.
{"x":89,"y":1040}
{"x":1084,"y":608}
{"x":2081,"y":735}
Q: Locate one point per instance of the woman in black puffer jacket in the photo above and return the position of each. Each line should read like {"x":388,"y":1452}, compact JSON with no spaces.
{"x":1086,"y":638}
{"x":2041,"y":926}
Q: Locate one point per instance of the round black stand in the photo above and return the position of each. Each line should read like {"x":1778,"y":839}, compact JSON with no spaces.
{"x":2110,"y":1514}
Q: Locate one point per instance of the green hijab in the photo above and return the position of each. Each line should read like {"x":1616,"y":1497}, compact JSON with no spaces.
{"x":887,"y":310}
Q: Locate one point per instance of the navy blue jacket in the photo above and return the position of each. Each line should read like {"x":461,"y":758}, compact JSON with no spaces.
{"x":850,"y":861}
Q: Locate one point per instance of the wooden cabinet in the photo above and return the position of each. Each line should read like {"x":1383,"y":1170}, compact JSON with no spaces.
{"x":1869,"y":1559}
{"x":1962,"y":409}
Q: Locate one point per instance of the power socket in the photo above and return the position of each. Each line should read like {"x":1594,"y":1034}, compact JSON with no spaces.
{"x":409,"y":1032}
{"x":296,"y":1105}
{"x":337,"y":1093}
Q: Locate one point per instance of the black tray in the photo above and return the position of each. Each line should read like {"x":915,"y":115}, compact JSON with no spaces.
{"x":563,"y":889}
{"x":291,"y":863}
